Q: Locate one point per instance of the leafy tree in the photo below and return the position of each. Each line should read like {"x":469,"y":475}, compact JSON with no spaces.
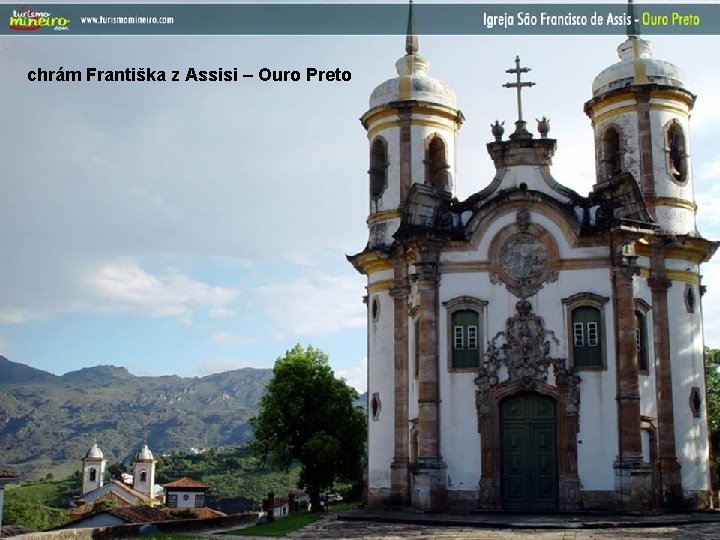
{"x":712,"y":382}
{"x":308,"y":415}
{"x":116,"y":469}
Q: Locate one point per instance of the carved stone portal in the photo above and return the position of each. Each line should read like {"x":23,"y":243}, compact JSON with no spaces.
{"x":523,"y":350}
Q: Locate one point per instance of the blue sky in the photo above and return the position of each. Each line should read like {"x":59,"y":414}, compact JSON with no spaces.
{"x":194,"y":228}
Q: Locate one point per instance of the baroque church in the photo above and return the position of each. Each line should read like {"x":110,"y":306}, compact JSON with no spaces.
{"x":141,"y":482}
{"x":529,"y":347}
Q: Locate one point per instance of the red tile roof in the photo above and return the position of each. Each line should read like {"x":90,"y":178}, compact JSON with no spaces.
{"x":88,"y":507}
{"x":139,"y":514}
{"x":186,"y":482}
{"x":200,"y":513}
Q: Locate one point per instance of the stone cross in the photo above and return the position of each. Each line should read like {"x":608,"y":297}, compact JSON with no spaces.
{"x":519,"y":85}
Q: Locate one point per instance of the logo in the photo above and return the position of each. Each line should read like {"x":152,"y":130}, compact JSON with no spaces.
{"x":25,"y":19}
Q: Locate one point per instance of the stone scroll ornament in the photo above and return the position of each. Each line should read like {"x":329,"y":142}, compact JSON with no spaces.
{"x":523,"y":348}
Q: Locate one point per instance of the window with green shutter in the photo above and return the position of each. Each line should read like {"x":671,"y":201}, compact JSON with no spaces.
{"x":465,"y":339}
{"x":586,"y":335}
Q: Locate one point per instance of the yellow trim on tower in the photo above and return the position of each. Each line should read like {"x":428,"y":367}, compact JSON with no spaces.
{"x":451,"y":115}
{"x":668,"y":95}
{"x":595,"y":107}
{"x":688,"y":252}
{"x":379,"y":286}
{"x":382,"y":216}
{"x":676,"y":203}
{"x":614,"y":112}
{"x":370,"y":263}
{"x":674,"y":95}
{"x":684,"y":275}
{"x":639,"y":64}
{"x":413,"y":122}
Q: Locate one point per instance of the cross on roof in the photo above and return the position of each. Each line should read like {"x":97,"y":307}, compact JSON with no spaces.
{"x":519,"y":85}
{"x":632,"y":28}
{"x":411,"y":40}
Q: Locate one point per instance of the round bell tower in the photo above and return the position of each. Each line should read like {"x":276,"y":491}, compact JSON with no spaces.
{"x":411,"y":126}
{"x":93,"y":465}
{"x":640,"y":113}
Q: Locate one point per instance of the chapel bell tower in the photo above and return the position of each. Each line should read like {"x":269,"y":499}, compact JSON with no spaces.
{"x":411,"y":125}
{"x":93,"y":469}
{"x":640,"y":113}
{"x":144,"y":471}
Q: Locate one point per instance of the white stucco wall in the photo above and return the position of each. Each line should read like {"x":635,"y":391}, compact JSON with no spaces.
{"x":686,"y":345}
{"x":381,"y":379}
{"x":185,"y":499}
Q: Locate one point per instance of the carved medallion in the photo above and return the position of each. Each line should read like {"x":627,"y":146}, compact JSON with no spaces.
{"x":523,"y":256}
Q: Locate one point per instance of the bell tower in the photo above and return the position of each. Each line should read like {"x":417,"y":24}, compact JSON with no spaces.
{"x":411,"y":126}
{"x":640,"y":113}
{"x":93,"y":469}
{"x":144,"y":471}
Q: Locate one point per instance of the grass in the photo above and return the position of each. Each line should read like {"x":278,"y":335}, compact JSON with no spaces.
{"x":280,"y":527}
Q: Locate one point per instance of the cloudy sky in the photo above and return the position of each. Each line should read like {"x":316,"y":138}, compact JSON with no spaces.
{"x":193,"y":228}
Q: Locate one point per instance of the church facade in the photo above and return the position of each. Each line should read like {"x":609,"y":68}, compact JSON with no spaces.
{"x":532,"y":348}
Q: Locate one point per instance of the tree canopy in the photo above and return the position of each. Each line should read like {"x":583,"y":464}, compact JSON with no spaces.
{"x":309,"y":416}
{"x":712,"y":383}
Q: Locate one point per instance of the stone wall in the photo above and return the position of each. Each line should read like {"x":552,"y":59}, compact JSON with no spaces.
{"x":133,"y":530}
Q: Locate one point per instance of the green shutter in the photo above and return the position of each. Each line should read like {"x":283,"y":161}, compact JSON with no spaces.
{"x":587,"y":335}
{"x":465,"y":339}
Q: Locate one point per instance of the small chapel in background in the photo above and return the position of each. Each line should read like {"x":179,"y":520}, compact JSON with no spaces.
{"x":137,"y":488}
{"x":530,"y":347}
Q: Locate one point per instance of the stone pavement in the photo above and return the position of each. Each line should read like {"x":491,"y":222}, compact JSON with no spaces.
{"x":498,"y":526}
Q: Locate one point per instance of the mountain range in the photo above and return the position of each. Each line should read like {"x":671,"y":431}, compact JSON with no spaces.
{"x":47,"y":420}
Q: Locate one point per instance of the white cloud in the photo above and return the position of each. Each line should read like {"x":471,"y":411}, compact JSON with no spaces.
{"x":222,"y":338}
{"x":119,"y":285}
{"x":124,"y":287}
{"x":4,"y":346}
{"x":315,"y":305}
{"x":356,"y":376}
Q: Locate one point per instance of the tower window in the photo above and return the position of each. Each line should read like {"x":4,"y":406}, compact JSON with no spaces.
{"x":375,"y":406}
{"x":676,"y":152}
{"x":695,"y":402}
{"x":375,"y":309}
{"x":436,"y":174}
{"x":143,"y":476}
{"x":611,"y":154}
{"x":690,"y":298}
{"x":93,"y":475}
{"x":641,"y":341}
{"x":378,"y":168}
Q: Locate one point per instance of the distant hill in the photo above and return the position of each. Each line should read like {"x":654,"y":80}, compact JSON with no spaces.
{"x":14,"y":373}
{"x":47,"y":420}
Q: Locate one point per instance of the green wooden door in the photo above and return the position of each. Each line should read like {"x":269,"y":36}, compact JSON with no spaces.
{"x":529,"y":457}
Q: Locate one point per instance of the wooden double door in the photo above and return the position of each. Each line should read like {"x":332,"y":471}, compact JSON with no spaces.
{"x":528,"y":427}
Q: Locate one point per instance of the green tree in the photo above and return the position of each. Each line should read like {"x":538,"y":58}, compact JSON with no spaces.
{"x":307,"y":415}
{"x":712,"y":383}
